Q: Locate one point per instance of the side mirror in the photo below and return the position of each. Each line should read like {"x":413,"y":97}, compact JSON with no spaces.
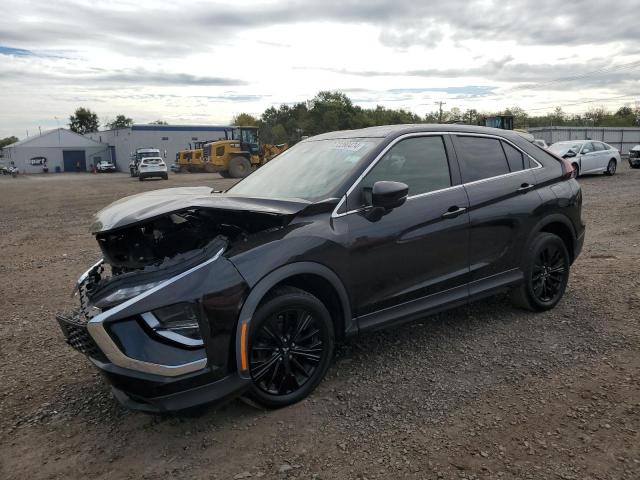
{"x":570,"y":154}
{"x":389,"y":195}
{"x":585,"y":151}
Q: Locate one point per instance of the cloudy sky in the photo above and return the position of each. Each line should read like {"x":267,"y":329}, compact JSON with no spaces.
{"x":203,"y":62}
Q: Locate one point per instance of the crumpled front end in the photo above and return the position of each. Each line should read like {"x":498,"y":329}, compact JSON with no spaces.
{"x":157,"y":314}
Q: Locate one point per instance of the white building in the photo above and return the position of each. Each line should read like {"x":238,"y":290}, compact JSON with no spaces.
{"x":61,"y":150}
{"x":169,"y":139}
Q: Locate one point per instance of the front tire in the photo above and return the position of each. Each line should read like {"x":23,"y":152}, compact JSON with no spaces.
{"x":291,"y":346}
{"x":611,"y":168}
{"x":576,"y":167}
{"x":546,"y":274}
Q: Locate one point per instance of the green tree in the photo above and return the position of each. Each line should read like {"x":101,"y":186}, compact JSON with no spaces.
{"x":83,"y":121}
{"x":595,"y":116}
{"x":7,"y":141}
{"x":624,"y":111}
{"x":244,"y":120}
{"x":120,"y":122}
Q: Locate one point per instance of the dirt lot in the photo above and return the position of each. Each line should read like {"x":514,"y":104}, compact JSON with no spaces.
{"x":484,"y":391}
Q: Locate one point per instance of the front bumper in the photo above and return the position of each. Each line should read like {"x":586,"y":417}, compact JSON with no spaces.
{"x":634,"y":161}
{"x":154,"y":400}
{"x":148,"y":372}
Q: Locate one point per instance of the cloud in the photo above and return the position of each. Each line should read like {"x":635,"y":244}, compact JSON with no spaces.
{"x":548,"y":76}
{"x":167,"y":29}
{"x":100,"y":78}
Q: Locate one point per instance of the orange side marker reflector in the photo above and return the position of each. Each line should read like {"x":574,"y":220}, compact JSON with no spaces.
{"x":244,"y":361}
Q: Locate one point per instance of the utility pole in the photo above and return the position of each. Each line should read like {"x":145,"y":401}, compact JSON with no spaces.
{"x":440,"y":103}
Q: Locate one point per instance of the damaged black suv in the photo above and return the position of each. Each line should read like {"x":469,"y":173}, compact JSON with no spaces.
{"x":202,"y":295}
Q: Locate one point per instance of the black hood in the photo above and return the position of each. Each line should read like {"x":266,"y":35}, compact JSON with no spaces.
{"x":146,"y":206}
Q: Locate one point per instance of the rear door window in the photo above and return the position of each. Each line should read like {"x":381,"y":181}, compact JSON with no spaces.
{"x":599,"y":147}
{"x":481,"y":158}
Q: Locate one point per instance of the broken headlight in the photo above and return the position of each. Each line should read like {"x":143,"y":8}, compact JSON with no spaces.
{"x":123,"y":294}
{"x":178,"y":323}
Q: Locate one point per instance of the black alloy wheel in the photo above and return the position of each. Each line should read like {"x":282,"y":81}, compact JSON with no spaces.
{"x":549,"y":271}
{"x":546,"y":274}
{"x":611,"y":168}
{"x":291,"y":347}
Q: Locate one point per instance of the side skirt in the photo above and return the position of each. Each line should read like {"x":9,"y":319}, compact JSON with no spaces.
{"x":438,"y":302}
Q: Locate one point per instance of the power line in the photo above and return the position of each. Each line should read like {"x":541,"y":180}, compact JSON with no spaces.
{"x":615,"y":68}
{"x":582,"y":102}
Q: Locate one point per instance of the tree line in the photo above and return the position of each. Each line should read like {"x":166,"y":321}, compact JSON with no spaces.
{"x":329,"y":111}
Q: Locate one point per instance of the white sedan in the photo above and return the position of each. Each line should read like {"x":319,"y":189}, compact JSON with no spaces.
{"x":588,"y":156}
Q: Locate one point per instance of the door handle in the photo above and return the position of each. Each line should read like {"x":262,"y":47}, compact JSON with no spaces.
{"x":453,"y":212}
{"x":525,"y":187}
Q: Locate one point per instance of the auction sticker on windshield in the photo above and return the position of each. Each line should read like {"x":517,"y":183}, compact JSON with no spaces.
{"x":348,"y":145}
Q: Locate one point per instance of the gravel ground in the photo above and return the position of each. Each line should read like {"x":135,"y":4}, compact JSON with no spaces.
{"x":484,"y":391}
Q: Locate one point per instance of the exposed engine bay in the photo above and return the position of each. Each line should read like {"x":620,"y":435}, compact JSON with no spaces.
{"x":153,"y":242}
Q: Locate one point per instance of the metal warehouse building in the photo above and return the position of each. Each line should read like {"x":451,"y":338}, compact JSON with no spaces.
{"x":60,"y":150}
{"x":170,"y":139}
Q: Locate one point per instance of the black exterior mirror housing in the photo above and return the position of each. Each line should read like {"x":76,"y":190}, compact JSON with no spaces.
{"x":389,"y":195}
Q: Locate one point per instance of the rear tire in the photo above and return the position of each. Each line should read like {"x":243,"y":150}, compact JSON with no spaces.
{"x":291,"y":346}
{"x":611,"y":168}
{"x":546,"y":274}
{"x":165,"y":177}
{"x":224,"y":174}
{"x":239,"y":167}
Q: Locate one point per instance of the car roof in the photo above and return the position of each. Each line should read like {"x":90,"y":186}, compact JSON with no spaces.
{"x":392,"y":131}
{"x":151,"y":158}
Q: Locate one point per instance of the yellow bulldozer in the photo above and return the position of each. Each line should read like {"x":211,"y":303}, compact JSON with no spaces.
{"x":235,"y":156}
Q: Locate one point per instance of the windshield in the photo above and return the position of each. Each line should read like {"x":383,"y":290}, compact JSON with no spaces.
{"x":563,"y":147}
{"x":309,"y":170}
{"x":142,"y":155}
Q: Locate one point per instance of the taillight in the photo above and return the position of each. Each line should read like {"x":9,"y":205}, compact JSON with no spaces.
{"x":568,"y":170}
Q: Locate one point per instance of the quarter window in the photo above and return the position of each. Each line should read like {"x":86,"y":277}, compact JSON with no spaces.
{"x":481,"y":158}
{"x":515,"y":158}
{"x":420,"y":162}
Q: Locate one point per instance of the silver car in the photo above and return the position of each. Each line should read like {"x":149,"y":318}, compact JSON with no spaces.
{"x":588,"y":156}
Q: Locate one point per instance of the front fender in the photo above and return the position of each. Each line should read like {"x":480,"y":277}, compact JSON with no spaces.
{"x":267,"y":283}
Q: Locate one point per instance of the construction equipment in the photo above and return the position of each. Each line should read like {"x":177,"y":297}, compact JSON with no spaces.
{"x":192,"y":159}
{"x":233,"y":157}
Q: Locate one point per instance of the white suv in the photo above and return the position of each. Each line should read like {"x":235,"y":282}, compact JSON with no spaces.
{"x":152,"y":167}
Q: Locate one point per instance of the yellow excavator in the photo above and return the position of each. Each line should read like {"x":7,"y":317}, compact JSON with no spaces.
{"x":235,"y":156}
